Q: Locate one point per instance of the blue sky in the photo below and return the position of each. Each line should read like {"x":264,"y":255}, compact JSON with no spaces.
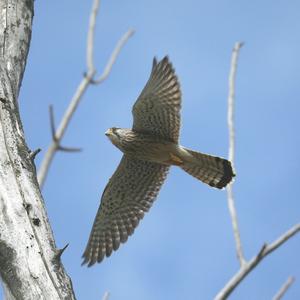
{"x":184,"y":248}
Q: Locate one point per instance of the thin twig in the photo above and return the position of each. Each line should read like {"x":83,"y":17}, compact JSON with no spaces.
{"x":251,"y":264}
{"x":230,"y":197}
{"x":245,"y":266}
{"x":282,"y":239}
{"x":34,"y":153}
{"x":68,"y":149}
{"x":284,"y":288}
{"x":88,"y":79}
{"x":90,"y":36}
{"x":52,"y":122}
{"x":59,"y":147}
{"x":114,"y":56}
{"x":105,"y":296}
{"x":231,"y":98}
{"x":59,"y":252}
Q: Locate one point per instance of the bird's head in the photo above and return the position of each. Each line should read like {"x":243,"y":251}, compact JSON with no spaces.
{"x":112,"y":134}
{"x":116,"y":135}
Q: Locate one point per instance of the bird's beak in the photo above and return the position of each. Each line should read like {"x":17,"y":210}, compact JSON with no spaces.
{"x":108,"y":132}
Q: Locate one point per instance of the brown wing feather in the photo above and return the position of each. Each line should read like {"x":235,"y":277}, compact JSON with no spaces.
{"x":128,"y":195}
{"x":157,"y":110}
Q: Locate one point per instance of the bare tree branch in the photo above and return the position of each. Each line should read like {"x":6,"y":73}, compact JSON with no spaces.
{"x":245,"y":266}
{"x":284,"y":288}
{"x":52,"y":122}
{"x":54,"y":139}
{"x":105,"y":296}
{"x":90,"y":37}
{"x":282,"y":239}
{"x":82,"y":87}
{"x":251,"y":264}
{"x":230,"y":117}
{"x":30,"y":266}
{"x":114,"y":56}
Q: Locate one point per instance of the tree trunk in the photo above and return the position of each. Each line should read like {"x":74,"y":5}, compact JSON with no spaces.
{"x":30,"y":265}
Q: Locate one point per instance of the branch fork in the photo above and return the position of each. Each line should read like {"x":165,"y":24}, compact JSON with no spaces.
{"x":245,"y":266}
{"x":56,"y":140}
{"x":87,"y":80}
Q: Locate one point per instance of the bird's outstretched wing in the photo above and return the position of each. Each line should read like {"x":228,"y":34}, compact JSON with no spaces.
{"x":128,"y":195}
{"x":157,"y":110}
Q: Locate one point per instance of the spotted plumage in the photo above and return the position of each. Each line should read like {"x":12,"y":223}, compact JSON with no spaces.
{"x":149,"y":148}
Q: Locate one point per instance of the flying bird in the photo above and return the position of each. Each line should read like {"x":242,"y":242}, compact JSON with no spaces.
{"x":149,"y":148}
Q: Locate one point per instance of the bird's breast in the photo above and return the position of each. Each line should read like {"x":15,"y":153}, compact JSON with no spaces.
{"x":147,"y":147}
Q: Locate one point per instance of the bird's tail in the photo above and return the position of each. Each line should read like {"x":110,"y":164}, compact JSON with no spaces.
{"x":214,"y":171}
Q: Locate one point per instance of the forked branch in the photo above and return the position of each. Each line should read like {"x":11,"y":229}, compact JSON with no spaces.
{"x":57,"y":134}
{"x":251,"y":264}
{"x":245,"y":266}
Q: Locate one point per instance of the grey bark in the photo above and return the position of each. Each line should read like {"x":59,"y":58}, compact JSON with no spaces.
{"x":30,"y":265}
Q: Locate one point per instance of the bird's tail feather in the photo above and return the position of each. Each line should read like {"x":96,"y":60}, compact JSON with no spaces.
{"x":214,"y":171}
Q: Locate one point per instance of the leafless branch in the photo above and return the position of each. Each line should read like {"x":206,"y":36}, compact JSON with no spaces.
{"x":284,"y":288}
{"x":114,"y":56}
{"x":88,"y":79}
{"x":59,"y":252}
{"x":282,"y":239}
{"x":245,"y":266}
{"x":230,"y":197}
{"x":251,"y":264}
{"x":52,"y":122}
{"x":54,"y":139}
{"x":90,"y":37}
{"x":105,"y":296}
{"x":34,"y":153}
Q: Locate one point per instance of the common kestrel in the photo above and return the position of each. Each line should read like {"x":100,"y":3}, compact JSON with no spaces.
{"x":149,"y":148}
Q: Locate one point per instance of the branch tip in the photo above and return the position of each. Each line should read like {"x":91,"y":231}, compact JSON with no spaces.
{"x":284,"y":288}
{"x":34,"y":153}
{"x":59,"y":252}
{"x":261,"y":252}
{"x":106,"y":296}
{"x":68,"y":149}
{"x":238,"y":46}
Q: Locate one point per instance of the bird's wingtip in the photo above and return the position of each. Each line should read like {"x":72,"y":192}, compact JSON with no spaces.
{"x":154,"y":64}
{"x":165,"y":60}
